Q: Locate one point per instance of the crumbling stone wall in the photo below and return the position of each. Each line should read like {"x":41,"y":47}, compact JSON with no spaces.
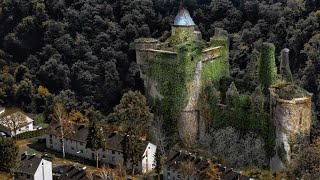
{"x":292,"y":119}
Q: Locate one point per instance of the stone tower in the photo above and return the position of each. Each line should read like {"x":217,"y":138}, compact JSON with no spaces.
{"x":172,"y":73}
{"x":290,"y":107}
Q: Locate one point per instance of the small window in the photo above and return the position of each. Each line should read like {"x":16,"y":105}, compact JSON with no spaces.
{"x":149,"y":147}
{"x":72,"y":148}
{"x":103,"y":156}
{"x":28,"y":176}
{"x":50,"y":136}
{"x":113,"y":152}
{"x":81,"y":151}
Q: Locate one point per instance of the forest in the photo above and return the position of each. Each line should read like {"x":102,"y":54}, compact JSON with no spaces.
{"x":81,"y":52}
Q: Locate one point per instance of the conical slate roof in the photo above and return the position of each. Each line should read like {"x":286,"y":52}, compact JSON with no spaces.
{"x":183,"y":18}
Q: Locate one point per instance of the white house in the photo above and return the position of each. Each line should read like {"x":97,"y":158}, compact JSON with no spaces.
{"x":34,"y":168}
{"x":75,"y":144}
{"x":15,"y":119}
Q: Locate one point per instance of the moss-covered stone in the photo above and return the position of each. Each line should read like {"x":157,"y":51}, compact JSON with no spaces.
{"x":220,"y":67}
{"x":267,"y":68}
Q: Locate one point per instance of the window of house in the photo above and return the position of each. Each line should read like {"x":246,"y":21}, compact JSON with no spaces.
{"x":149,"y":147}
{"x":50,"y":136}
{"x":72,"y":148}
{"x":113,"y":152}
{"x":81,"y":151}
{"x":103,"y":156}
{"x":50,"y":141}
{"x":28,"y":176}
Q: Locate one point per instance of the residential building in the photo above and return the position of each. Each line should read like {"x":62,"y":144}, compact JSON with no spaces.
{"x":72,"y":173}
{"x":181,"y":165}
{"x":75,"y":144}
{"x":34,"y":168}
{"x":14,"y":122}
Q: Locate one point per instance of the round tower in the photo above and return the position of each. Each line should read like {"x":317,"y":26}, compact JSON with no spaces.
{"x":290,"y":107}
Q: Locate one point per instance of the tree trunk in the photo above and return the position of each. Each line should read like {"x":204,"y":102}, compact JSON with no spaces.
{"x":62,"y":140}
{"x":132,"y":169}
{"x":63,"y":151}
{"x":97,"y":158}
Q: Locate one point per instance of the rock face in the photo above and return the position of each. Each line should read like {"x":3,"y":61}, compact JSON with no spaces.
{"x":292,"y":119}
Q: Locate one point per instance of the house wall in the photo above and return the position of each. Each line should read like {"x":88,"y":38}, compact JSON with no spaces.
{"x":22,"y":176}
{"x":172,"y":174}
{"x":26,"y":128}
{"x":44,"y":171}
{"x":148,"y":158}
{"x":108,"y":156}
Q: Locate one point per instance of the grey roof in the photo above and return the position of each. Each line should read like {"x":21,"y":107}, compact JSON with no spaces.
{"x":73,"y":173}
{"x":183,"y":18}
{"x":29,"y":164}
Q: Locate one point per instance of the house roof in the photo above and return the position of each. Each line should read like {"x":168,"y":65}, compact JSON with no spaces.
{"x":72,"y":173}
{"x":30,"y":164}
{"x":183,"y":18}
{"x":80,"y":133}
{"x":175,"y":158}
{"x":12,"y":112}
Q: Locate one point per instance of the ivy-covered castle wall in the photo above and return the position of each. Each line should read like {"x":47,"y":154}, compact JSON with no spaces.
{"x":291,"y":113}
{"x":173,"y":77}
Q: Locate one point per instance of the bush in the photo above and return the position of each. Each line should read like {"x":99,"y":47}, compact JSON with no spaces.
{"x":31,"y":134}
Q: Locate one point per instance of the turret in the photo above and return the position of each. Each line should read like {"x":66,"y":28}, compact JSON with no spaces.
{"x":290,"y":107}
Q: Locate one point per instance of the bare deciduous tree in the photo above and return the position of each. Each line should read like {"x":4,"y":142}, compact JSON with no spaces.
{"x":13,"y":119}
{"x":187,"y":169}
{"x":61,"y":116}
{"x":159,"y":135}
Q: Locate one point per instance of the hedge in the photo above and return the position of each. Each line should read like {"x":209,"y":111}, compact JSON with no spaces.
{"x":31,"y":134}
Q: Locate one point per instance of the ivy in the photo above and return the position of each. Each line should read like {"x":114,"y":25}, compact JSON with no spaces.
{"x":220,"y":67}
{"x":173,"y":77}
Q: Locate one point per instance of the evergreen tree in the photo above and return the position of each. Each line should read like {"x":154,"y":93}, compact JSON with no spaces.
{"x":95,"y":140}
{"x":267,"y":68}
{"x":9,"y":155}
{"x":132,"y":148}
{"x":158,"y":162}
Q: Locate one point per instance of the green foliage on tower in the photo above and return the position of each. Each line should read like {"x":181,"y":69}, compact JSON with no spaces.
{"x":173,"y":75}
{"x":220,"y":67}
{"x":9,"y":155}
{"x":267,"y":67}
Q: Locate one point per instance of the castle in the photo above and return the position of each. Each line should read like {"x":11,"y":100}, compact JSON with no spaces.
{"x":175,"y":70}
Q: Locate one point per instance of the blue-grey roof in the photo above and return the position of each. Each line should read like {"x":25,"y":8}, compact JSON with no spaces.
{"x":183,"y":18}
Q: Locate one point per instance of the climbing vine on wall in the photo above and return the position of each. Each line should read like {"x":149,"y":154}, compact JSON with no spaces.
{"x":220,"y":68}
{"x":173,"y":76}
{"x":242,"y":116}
